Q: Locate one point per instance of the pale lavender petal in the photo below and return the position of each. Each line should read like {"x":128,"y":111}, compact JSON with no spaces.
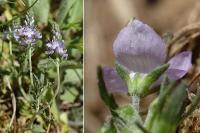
{"x":56,"y":46}
{"x":179,"y":65}
{"x":139,"y":48}
{"x":113,"y":81}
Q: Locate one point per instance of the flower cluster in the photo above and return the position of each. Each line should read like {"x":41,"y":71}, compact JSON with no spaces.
{"x":56,"y":45}
{"x":140,"y":50}
{"x":27,"y":34}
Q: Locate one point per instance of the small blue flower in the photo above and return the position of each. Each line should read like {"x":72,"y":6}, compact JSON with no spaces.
{"x":27,"y":34}
{"x":56,"y":47}
{"x":140,"y":50}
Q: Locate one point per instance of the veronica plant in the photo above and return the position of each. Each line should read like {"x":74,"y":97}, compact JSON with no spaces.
{"x":140,"y":66}
{"x":34,"y":104}
{"x":55,"y":47}
{"x":27,"y":35}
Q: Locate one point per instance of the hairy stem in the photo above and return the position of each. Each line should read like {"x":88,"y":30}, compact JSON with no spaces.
{"x":30,"y":65}
{"x":10,"y":47}
{"x":58,"y":78}
{"x":136,"y":102}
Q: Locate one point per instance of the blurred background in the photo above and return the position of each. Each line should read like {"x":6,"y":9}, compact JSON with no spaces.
{"x":105,"y":18}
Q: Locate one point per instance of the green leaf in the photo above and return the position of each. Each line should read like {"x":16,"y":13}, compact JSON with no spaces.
{"x":138,"y":85}
{"x":55,"y":111}
{"x":40,"y":9}
{"x":108,"y":127}
{"x":157,"y":106}
{"x":166,"y":111}
{"x":150,"y":78}
{"x":151,"y":116}
{"x":69,"y":95}
{"x":132,"y":83}
{"x":73,"y":76}
{"x":175,"y":106}
{"x":123,"y":73}
{"x":105,"y":96}
{"x":76,"y":13}
{"x":3,"y":2}
{"x":64,"y":8}
{"x":38,"y":129}
{"x":127,"y":119}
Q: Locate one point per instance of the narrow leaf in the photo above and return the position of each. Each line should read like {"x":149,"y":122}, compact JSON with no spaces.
{"x":105,"y":96}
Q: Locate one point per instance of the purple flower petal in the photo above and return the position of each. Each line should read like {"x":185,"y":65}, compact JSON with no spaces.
{"x":139,"y":48}
{"x":56,"y":46}
{"x":179,"y":65}
{"x":26,"y":35}
{"x":113,"y":81}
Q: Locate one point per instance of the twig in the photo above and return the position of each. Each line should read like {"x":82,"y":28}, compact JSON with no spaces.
{"x":49,"y":125}
{"x":48,"y":128}
{"x":13,"y":103}
{"x":183,"y":31}
{"x":194,"y":79}
{"x":4,"y":101}
{"x":68,"y":106}
{"x":57,"y":129}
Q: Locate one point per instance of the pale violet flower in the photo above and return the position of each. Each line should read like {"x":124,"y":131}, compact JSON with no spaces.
{"x":140,"y":50}
{"x":56,"y":45}
{"x":26,"y":34}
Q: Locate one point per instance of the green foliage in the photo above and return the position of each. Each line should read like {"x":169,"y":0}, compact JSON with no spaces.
{"x":106,"y":97}
{"x":71,"y":8}
{"x":165,"y":113}
{"x":138,"y":84}
{"x":37,"y":107}
{"x":108,"y":127}
{"x":126,"y":120}
{"x":40,"y":9}
{"x":38,"y":129}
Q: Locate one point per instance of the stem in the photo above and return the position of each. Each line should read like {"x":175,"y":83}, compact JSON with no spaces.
{"x":2,"y":48}
{"x":13,"y":103}
{"x":10,"y":47}
{"x":58,"y":78}
{"x":38,"y":105}
{"x":30,"y":66}
{"x":48,"y":128}
{"x":56,"y":93}
{"x":136,"y":102}
{"x":21,"y":88}
{"x":14,"y":109}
